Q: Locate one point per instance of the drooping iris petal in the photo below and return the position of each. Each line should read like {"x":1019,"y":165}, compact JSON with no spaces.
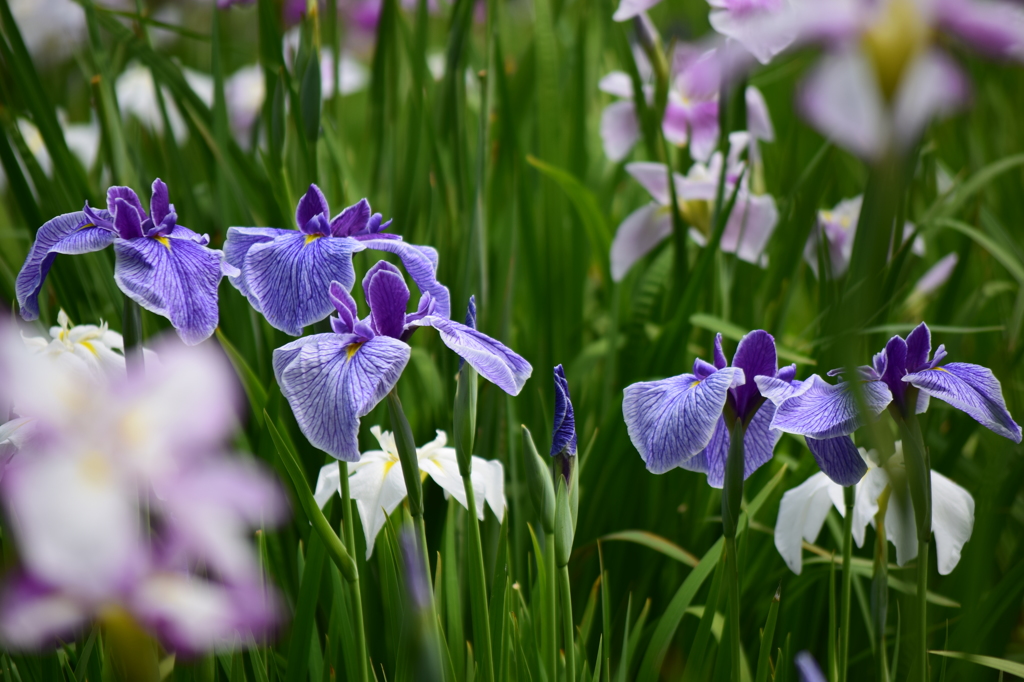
{"x":618,"y":83}
{"x":654,"y":178}
{"x":291,"y":276}
{"x":378,"y":486}
{"x":802,"y":513}
{"x":421,"y":264}
{"x":175,"y":278}
{"x":676,"y":125}
{"x":564,"y":430}
{"x":952,"y":521}
{"x":639,"y":233}
{"x":932,"y":86}
{"x":756,"y":356}
{"x":750,"y":226}
{"x":236,"y":247}
{"x":842,"y":99}
{"x":620,"y":129}
{"x":826,"y":411}
{"x":777,"y":389}
{"x":994,"y":28}
{"x":972,"y":389}
{"x":330,"y":383}
{"x":491,"y":475}
{"x":492,"y":359}
{"x":33,"y":615}
{"x":745,"y":23}
{"x":672,"y":420}
{"x":838,"y":458}
{"x":703,"y":119}
{"x":71,"y":233}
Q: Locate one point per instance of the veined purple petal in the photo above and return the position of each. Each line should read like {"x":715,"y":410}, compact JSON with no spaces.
{"x":71,"y":233}
{"x":895,"y":367}
{"x":994,"y":28}
{"x":759,"y":441}
{"x":931,"y":87}
{"x":838,"y":458}
{"x":388,"y":297}
{"x":348,"y":311}
{"x":777,"y":389}
{"x":291,"y":277}
{"x":564,"y":431}
{"x":972,"y":389}
{"x":672,"y":420}
{"x":311,"y":204}
{"x":639,"y":233}
{"x":176,"y":278}
{"x":620,"y":129}
{"x":421,"y":264}
{"x":330,"y":383}
{"x":719,"y":354}
{"x":756,"y":356}
{"x":826,"y":411}
{"x":491,"y":358}
{"x":352,"y":220}
{"x":127,"y":220}
{"x":919,"y":347}
{"x":128,"y":195}
{"x":237,"y":244}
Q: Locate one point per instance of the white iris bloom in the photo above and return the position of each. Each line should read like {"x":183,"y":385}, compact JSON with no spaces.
{"x":803,"y":510}
{"x":100,"y":349}
{"x":377,"y":484}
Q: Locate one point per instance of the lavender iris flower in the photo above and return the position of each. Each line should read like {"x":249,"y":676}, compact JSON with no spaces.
{"x":679,"y":422}
{"x":817,"y":409}
{"x":563,"y":435}
{"x":331,"y":380}
{"x":164,"y":267}
{"x":809,"y":669}
{"x":287,"y":274}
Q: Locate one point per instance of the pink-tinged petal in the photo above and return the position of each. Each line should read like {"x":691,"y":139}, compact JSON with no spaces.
{"x":676,"y":124}
{"x":761,"y":30}
{"x":33,"y":616}
{"x":641,"y":231}
{"x":936,"y":276}
{"x":618,"y":83}
{"x":802,"y":513}
{"x":703,"y":129}
{"x":952,"y":521}
{"x":620,"y":129}
{"x":654,"y":178}
{"x":759,"y":121}
{"x":672,"y":420}
{"x":631,"y":8}
{"x":972,"y":389}
{"x":751,"y":224}
{"x":330,"y":383}
{"x":932,"y":87}
{"x":842,"y":99}
{"x":993,"y":27}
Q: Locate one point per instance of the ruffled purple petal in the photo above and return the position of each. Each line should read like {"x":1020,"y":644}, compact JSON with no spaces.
{"x":564,"y":431}
{"x":237,"y":244}
{"x":330,"y":382}
{"x":491,"y":358}
{"x":672,"y":420}
{"x":838,"y":458}
{"x":421,"y":264}
{"x":291,"y":277}
{"x":388,"y":297}
{"x":311,"y":204}
{"x":972,"y":389}
{"x":824,"y":410}
{"x":71,"y":233}
{"x":175,"y":278}
{"x":756,"y":356}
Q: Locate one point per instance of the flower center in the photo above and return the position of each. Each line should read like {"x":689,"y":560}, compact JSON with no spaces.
{"x":898,"y":34}
{"x":697,"y":212}
{"x":165,"y":241}
{"x":310,"y":238}
{"x":352,"y":349}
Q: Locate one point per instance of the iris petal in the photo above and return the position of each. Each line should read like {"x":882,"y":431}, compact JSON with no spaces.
{"x":972,"y":389}
{"x":491,"y":358}
{"x":826,"y":411}
{"x":838,"y":458}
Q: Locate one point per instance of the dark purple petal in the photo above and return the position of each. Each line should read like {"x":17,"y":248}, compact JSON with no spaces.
{"x":330,"y":383}
{"x":756,"y":356}
{"x":720,"y":361}
{"x":919,"y":346}
{"x":33,"y":616}
{"x":471,"y":313}
{"x":838,"y":458}
{"x":175,"y":278}
{"x":127,"y":220}
{"x":703,"y":369}
{"x":291,"y":277}
{"x":348,"y":311}
{"x":237,"y":244}
{"x":70,"y":233}
{"x":672,"y":420}
{"x":491,"y":358}
{"x":352,"y":220}
{"x":973,"y":389}
{"x":388,"y":297}
{"x":421,"y":264}
{"x":787,"y":373}
{"x":826,"y":411}
{"x":160,"y":204}
{"x":312,"y":204}
{"x":563,"y":436}
{"x":895,"y":367}
{"x":127,"y":194}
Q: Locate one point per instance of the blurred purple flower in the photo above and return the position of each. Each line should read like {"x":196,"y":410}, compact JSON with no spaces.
{"x":679,"y":422}
{"x":936,"y":276}
{"x":744,"y":21}
{"x":287,"y":274}
{"x":332,"y":380}
{"x":808,"y":668}
{"x":162,"y":266}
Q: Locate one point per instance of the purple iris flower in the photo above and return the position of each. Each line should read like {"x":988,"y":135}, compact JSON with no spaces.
{"x":680,"y":422}
{"x":817,"y":409}
{"x":287,"y":274}
{"x":164,"y":267}
{"x":563,"y":435}
{"x":331,"y":380}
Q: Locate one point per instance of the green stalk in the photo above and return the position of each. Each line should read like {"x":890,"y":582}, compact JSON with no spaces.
{"x":565,"y":596}
{"x":478,"y":586}
{"x":732,"y":495}
{"x":131,"y":329}
{"x":844,"y":627}
{"x":880,"y":585}
{"x":356,"y":594}
{"x":732,"y":578}
{"x":922,"y":607}
{"x":552,"y":615}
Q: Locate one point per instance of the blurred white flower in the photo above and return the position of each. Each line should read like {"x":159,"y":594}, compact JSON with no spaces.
{"x":377,"y":484}
{"x":93,"y":346}
{"x":136,"y":96}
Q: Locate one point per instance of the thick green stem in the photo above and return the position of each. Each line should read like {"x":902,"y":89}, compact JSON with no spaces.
{"x":922,"y":608}
{"x":732,"y":497}
{"x":131,"y":329}
{"x":552,"y":615}
{"x":355,"y":592}
{"x":565,"y":595}
{"x":732,"y":578}
{"x":880,"y":586}
{"x":478,"y":587}
{"x":844,"y":632}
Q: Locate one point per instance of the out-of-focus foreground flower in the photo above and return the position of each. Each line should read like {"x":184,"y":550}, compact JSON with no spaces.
{"x":124,"y":503}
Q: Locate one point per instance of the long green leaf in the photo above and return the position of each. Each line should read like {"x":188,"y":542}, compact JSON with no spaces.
{"x":1012,"y":667}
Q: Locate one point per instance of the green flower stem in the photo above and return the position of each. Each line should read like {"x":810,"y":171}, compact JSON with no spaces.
{"x":552,"y":615}
{"x":732,"y":578}
{"x":922,"y":608}
{"x":478,"y":587}
{"x":732,"y":496}
{"x":880,"y":586}
{"x":565,"y":595}
{"x":131,"y":328}
{"x":356,"y":593}
{"x":844,"y":631}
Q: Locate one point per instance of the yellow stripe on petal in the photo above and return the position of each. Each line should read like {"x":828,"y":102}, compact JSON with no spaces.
{"x":351,"y":349}
{"x":310,"y":238}
{"x":165,"y":241}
